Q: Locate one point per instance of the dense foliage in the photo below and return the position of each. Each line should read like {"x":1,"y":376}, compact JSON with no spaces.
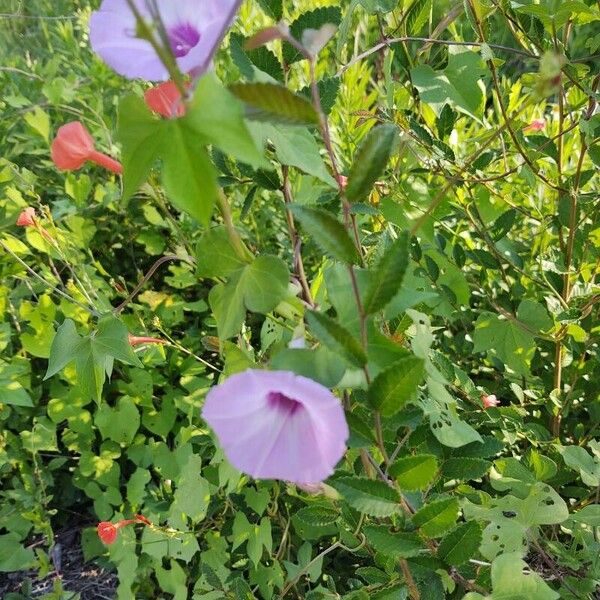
{"x":403,"y":208}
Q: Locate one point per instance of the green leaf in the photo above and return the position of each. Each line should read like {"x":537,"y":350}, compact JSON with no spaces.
{"x":13,"y":555}
{"x":437,"y":517}
{"x":505,"y":339}
{"x":227,"y":304}
{"x":119,"y":424}
{"x":265,"y":283}
{"x":370,"y":161}
{"x":387,"y":276}
{"x":63,"y":350}
{"x":457,"y":85}
{"x":397,"y":385}
{"x":274,"y":8}
{"x":93,"y":354}
{"x":534,"y":315}
{"x":318,"y":516}
{"x":296,"y":147}
{"x":370,"y":496}
{"x":589,"y":515}
{"x":328,"y":233}
{"x":510,"y":583}
{"x":215,"y":256}
{"x":461,"y":544}
{"x":321,"y":364}
{"x":414,"y":472}
{"x":13,"y":393}
{"x":338,"y":339}
{"x":274,"y":103}
{"x":189,"y":177}
{"x":578,"y":459}
{"x":258,"y":287}
{"x":394,"y":545}
{"x":142,"y":137}
{"x":314,"y":19}
{"x":218,"y":117}
{"x":112,"y":339}
{"x":417,"y":15}
{"x":465,"y":469}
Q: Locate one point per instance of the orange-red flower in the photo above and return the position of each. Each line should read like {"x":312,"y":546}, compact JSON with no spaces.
{"x":165,"y":100}
{"x":489,"y":401}
{"x":108,"y":532}
{"x":74,"y":146}
{"x":534,"y":126}
{"x":27,"y":217}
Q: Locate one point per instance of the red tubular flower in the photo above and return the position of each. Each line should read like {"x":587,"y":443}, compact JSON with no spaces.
{"x":27,"y":217}
{"x":74,"y":146}
{"x":489,"y":400}
{"x":138,"y":341}
{"x":165,"y":100}
{"x":107,"y":532}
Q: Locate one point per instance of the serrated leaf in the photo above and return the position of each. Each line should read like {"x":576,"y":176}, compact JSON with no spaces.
{"x":395,"y":545}
{"x":275,"y":103}
{"x":338,"y":339}
{"x":437,"y":517}
{"x":465,"y":469}
{"x":314,"y":19}
{"x":370,"y":496}
{"x":318,"y":516}
{"x":370,"y":161}
{"x":327,"y":232}
{"x":397,"y":385}
{"x":387,"y":276}
{"x":460,"y":544}
{"x":414,"y":472}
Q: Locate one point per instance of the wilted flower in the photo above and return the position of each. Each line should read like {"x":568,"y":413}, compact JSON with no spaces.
{"x":138,"y":341}
{"x":194,"y":29}
{"x":489,"y":400}
{"x":27,"y":217}
{"x":534,"y":126}
{"x":74,"y":146}
{"x":278,"y":425}
{"x":165,"y":100}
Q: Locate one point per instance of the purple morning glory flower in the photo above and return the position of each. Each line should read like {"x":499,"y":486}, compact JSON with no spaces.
{"x":278,"y":425}
{"x":194,"y":30}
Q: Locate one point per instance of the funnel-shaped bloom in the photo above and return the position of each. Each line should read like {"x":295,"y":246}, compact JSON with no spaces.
{"x":108,"y":532}
{"x":277,"y":425}
{"x":193,"y":28}
{"x":27,"y":217}
{"x":74,"y":146}
{"x":165,"y":100}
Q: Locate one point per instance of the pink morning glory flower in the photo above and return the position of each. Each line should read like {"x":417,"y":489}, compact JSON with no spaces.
{"x":278,"y":425}
{"x":194,"y":30}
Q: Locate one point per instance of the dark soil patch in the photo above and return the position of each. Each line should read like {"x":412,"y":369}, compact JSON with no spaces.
{"x":89,"y":580}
